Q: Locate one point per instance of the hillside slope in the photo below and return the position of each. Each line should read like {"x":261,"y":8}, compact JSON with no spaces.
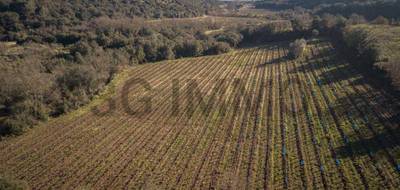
{"x":309,"y":124}
{"x":86,"y":9}
{"x":17,"y":15}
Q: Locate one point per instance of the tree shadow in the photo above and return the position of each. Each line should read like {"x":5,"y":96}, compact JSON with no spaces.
{"x":275,"y":61}
{"x":333,"y":70}
{"x":356,"y":143}
{"x":324,"y":76}
{"x":3,"y":111}
{"x":395,"y":118}
{"x":368,"y":146}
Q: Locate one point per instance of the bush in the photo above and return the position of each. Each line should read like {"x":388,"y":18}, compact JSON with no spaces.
{"x":146,"y":31}
{"x":151,"y":50}
{"x":381,"y":20}
{"x":78,"y":78}
{"x":166,"y":53}
{"x":10,"y":126}
{"x":189,"y":49}
{"x":67,"y":39}
{"x":219,"y":48}
{"x":140,"y":54}
{"x":10,"y":21}
{"x":9,"y":184}
{"x":22,"y":97}
{"x":356,"y":19}
{"x":315,"y":33}
{"x":301,"y":23}
{"x":232,"y":38}
{"x":81,"y":47}
{"x":298,"y":48}
{"x":22,"y":114}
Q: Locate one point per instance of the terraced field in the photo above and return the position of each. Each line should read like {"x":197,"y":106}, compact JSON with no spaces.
{"x":265,"y":123}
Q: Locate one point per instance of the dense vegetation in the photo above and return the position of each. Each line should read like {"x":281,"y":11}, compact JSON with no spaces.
{"x":9,"y":184}
{"x":20,"y":19}
{"x":370,"y":9}
{"x":67,"y":51}
{"x":377,"y":47}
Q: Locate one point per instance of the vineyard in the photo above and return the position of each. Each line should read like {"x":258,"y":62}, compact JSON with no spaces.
{"x":249,"y":119}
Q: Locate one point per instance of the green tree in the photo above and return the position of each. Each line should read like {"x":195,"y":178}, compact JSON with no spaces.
{"x":166,"y":53}
{"x":298,"y":48}
{"x":230,"y":37}
{"x":25,"y":8}
{"x":140,"y":54}
{"x":10,"y":21}
{"x":189,"y":49}
{"x":219,"y":48}
{"x":302,"y":23}
{"x":381,"y":20}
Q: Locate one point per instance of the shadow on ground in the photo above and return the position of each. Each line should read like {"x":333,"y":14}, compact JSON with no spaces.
{"x":332,"y":70}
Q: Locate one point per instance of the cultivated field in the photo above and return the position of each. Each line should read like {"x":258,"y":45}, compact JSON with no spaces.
{"x":270,"y":123}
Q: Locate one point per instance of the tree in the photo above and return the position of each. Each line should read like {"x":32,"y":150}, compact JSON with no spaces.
{"x":328,"y":22}
{"x":315,"y":33}
{"x":82,"y":47}
{"x":166,"y":53}
{"x":298,"y":48}
{"x":381,"y":20}
{"x":219,"y":48}
{"x":189,"y":49}
{"x":21,"y":99}
{"x":232,"y":38}
{"x":25,"y":8}
{"x":140,"y":54}
{"x":151,"y":50}
{"x":77,"y":78}
{"x":10,"y":21}
{"x":302,"y":23}
{"x":356,"y":19}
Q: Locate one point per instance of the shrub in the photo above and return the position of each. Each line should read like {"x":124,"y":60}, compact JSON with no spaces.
{"x":81,"y":47}
{"x":118,"y":41}
{"x":10,"y":21}
{"x":77,"y":78}
{"x":356,"y":19}
{"x":218,"y":48}
{"x":18,"y":122}
{"x":315,"y":33}
{"x":151,"y":50}
{"x":166,"y":53}
{"x":139,"y":54}
{"x":67,"y":39}
{"x":189,"y":49}
{"x":381,"y":20}
{"x":10,"y":126}
{"x":232,"y":38}
{"x":146,"y":31}
{"x":301,"y":23}
{"x":298,"y":48}
{"x":9,"y":184}
{"x":22,"y":100}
